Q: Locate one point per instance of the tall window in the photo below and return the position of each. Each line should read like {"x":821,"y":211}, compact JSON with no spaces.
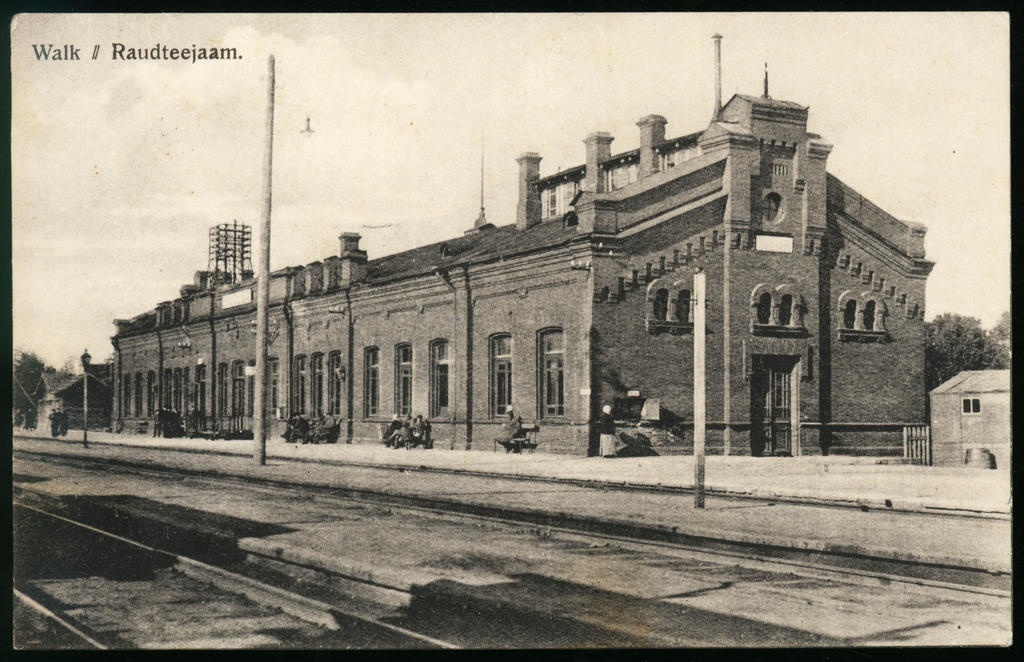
{"x":869,"y":316}
{"x":176,"y":402}
{"x":126,"y":391}
{"x":151,"y":393}
{"x":371,"y":382}
{"x":785,"y":309}
{"x":334,"y":379}
{"x":299,"y":392}
{"x":201,"y":389}
{"x":237,"y":388}
{"x":273,"y":367}
{"x":439,"y":366}
{"x":138,"y":393}
{"x":185,"y":392}
{"x":250,"y":388}
{"x":316,"y":384}
{"x":764,"y":308}
{"x":850,"y":314}
{"x":168,"y":380}
{"x":683,"y":306}
{"x":501,"y":374}
{"x":403,"y":380}
{"x":552,"y":379}
{"x":222,"y":389}
{"x":661,"y":305}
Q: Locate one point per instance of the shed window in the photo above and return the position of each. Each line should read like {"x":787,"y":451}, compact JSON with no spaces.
{"x":972,"y":406}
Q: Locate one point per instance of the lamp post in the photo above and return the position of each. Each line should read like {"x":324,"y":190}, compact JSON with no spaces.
{"x":85,"y":398}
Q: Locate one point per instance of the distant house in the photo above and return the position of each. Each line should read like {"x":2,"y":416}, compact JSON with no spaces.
{"x":64,"y":391}
{"x":971,"y":411}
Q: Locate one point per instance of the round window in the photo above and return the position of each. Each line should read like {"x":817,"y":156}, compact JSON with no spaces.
{"x":771,"y":208}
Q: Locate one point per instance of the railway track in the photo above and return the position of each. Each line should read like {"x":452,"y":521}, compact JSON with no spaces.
{"x":247,"y":613}
{"x":842,"y":565}
{"x":372,"y":605}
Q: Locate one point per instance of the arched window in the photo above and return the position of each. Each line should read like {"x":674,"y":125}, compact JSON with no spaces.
{"x":126,"y":394}
{"x":335,"y":375}
{"x":439,"y":367}
{"x":501,"y":374}
{"x":552,"y":374}
{"x":850,"y":314}
{"x":273,"y":370}
{"x":371,"y":381}
{"x":176,"y":399}
{"x":683,"y":306}
{"x":299,"y":391}
{"x":316,"y":384}
{"x":168,"y":381}
{"x":661,"y":305}
{"x":237,"y":388}
{"x":151,"y":393}
{"x":764,"y":308}
{"x":200,"y":403}
{"x":222,"y":390}
{"x":403,"y":379}
{"x":869,"y":316}
{"x":771,"y":208}
{"x":138,"y":394}
{"x":785,"y":309}
{"x":250,"y":388}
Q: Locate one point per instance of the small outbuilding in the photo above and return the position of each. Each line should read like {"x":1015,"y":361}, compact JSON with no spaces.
{"x":971,"y":415}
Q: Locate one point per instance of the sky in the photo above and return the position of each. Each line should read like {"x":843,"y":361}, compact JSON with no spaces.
{"x":119,"y":168}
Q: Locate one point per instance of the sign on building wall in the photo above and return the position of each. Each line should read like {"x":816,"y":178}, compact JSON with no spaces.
{"x":236,"y":299}
{"x":774,"y":243}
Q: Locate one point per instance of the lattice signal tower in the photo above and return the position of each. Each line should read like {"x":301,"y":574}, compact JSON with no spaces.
{"x":230,"y":252}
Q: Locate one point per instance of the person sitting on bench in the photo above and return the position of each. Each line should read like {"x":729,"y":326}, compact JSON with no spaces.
{"x":512,"y":434}
{"x":420,"y":432}
{"x":393,"y":433}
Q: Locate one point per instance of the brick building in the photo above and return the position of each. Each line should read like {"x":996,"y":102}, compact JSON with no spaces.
{"x":814,"y":309}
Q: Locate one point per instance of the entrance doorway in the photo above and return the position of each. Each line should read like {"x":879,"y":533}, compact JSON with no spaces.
{"x":771,"y":404}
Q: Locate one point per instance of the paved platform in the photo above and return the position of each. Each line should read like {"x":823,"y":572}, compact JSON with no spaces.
{"x":894,"y":518}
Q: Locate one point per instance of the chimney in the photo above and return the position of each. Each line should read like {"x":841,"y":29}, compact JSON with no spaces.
{"x":528,"y":205}
{"x":353,"y":260}
{"x":599,"y":149}
{"x":652,"y":133}
{"x":718,"y":78}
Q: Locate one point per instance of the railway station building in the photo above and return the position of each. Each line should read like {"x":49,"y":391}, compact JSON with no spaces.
{"x":815,"y":309}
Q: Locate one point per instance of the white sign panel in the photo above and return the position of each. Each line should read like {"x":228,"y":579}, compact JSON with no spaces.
{"x":774,"y":244}
{"x":236,"y":299}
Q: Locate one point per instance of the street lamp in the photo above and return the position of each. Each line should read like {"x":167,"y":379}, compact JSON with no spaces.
{"x":85,"y":398}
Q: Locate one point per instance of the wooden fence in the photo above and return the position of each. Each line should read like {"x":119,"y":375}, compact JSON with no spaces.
{"x":917,"y":444}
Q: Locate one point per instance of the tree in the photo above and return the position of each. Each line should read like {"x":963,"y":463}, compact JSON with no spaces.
{"x":1002,"y":333}
{"x":28,"y":387}
{"x":956,"y":342}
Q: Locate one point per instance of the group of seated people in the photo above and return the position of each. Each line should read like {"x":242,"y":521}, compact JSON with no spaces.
{"x":320,"y":430}
{"x":408,"y":433}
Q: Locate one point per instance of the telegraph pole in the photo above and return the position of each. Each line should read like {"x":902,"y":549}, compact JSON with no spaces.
{"x":699,"y":403}
{"x":259,"y":428}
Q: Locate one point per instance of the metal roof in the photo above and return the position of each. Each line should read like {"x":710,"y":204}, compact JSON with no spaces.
{"x":976,"y":381}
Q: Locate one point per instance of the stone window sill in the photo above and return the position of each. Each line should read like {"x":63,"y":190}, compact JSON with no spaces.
{"x":664,"y":326}
{"x":778,"y":330}
{"x":862,"y":335}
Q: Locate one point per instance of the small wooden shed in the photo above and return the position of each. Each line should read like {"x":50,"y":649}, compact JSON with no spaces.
{"x":970,"y":415}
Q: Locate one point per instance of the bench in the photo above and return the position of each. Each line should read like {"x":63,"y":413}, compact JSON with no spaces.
{"x":525,"y":440}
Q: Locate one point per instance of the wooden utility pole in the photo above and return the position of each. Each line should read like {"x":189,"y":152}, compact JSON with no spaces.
{"x":259,"y":428}
{"x":699,"y":404}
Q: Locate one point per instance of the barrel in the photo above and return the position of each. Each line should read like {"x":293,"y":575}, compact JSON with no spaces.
{"x":979,"y":458}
